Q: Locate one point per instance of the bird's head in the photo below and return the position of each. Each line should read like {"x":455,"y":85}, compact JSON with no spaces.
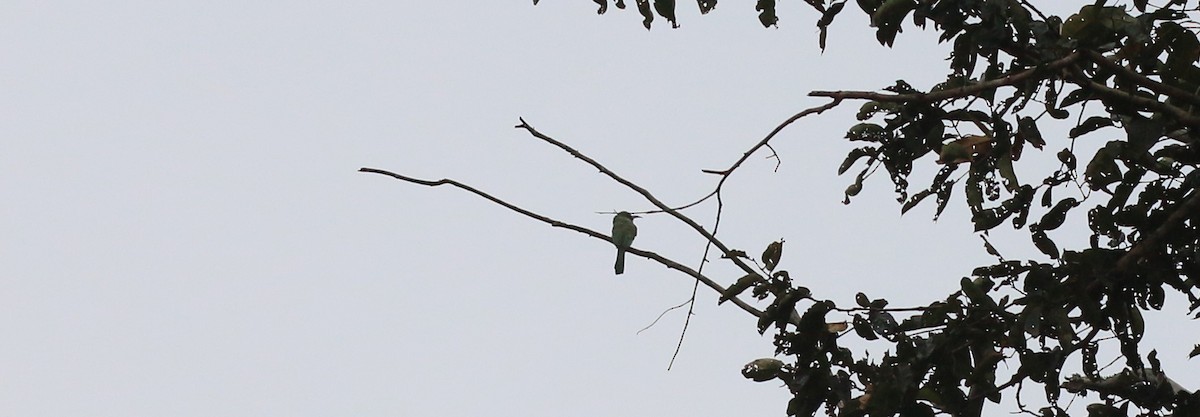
{"x":626,"y":215}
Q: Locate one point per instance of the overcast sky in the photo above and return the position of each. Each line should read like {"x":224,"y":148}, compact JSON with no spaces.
{"x":183,"y":231}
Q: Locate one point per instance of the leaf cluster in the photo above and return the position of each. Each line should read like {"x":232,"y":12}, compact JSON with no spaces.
{"x":1122,"y":81}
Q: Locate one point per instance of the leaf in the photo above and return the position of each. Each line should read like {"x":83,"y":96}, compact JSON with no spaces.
{"x":830,"y":13}
{"x":891,"y":12}
{"x":870,"y":108}
{"x":1076,"y":96}
{"x":762,"y":370}
{"x":887,"y":19}
{"x":914,"y":200}
{"x":1195,"y":352}
{"x":706,"y":5}
{"x":647,"y":15}
{"x":964,"y":149}
{"x":855,"y":188}
{"x":991,"y":250}
{"x":1004,"y":164}
{"x":1067,"y":158}
{"x":1044,"y":244}
{"x":869,"y":6}
{"x":666,"y":9}
{"x":866,"y":131}
{"x":852,"y":157}
{"x":1021,"y":203}
{"x":1055,"y":217}
{"x":740,"y":286}
{"x":766,"y":13}
{"x":862,"y":328}
{"x":1090,"y":125}
{"x":862,"y":300}
{"x":976,"y":292}
{"x":771,"y":255}
{"x":974,"y":193}
{"x":989,"y":219}
{"x":943,"y":199}
{"x":1027,"y":130}
{"x":1102,"y":170}
{"x":603,"y":6}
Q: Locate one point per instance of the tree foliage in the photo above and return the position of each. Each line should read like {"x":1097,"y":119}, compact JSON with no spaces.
{"x":1124,"y":75}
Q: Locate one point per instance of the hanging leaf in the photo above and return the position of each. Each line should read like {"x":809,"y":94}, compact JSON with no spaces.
{"x":1067,"y":158}
{"x":914,"y":200}
{"x":1004,"y":164}
{"x":1021,"y":203}
{"x":856,"y":187}
{"x":766,"y":12}
{"x":1055,"y":217}
{"x":740,"y":286}
{"x":771,"y":255}
{"x":990,"y":218}
{"x":976,"y":291}
{"x":1076,"y":96}
{"x":603,"y":6}
{"x":1102,"y":170}
{"x":943,"y":195}
{"x":830,"y":13}
{"x":852,"y":157}
{"x":1044,"y":244}
{"x":1090,"y":125}
{"x":990,"y":249}
{"x":762,"y":370}
{"x":1027,"y":130}
{"x":862,"y":300}
{"x":862,"y":328}
{"x":964,"y":149}
{"x":706,"y":5}
{"x":647,"y":15}
{"x":666,"y":9}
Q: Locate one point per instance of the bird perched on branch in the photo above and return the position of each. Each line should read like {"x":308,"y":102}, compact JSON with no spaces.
{"x":622,"y":236}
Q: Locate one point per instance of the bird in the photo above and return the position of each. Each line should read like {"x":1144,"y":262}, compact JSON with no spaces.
{"x":622,"y":236}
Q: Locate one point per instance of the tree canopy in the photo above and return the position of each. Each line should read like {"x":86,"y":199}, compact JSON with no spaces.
{"x":1124,"y":75}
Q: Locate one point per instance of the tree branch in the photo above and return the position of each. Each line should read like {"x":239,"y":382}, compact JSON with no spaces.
{"x":954,"y":93}
{"x":1183,"y":116}
{"x":638,"y":189}
{"x":1142,"y":80}
{"x":1152,"y":242}
{"x":558,"y":223}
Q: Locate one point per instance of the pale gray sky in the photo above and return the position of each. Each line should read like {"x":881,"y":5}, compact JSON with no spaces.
{"x":183,"y":233}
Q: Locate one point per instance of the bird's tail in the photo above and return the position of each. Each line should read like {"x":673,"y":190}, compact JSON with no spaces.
{"x":619,"y":267}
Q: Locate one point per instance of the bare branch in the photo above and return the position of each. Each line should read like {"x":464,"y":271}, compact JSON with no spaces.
{"x":638,"y":189}
{"x":764,"y":142}
{"x":558,"y":223}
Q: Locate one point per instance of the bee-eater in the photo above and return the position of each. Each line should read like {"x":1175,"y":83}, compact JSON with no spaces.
{"x":622,"y":236}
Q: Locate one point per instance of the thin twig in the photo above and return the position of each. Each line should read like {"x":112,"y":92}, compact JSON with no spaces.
{"x":668,"y":310}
